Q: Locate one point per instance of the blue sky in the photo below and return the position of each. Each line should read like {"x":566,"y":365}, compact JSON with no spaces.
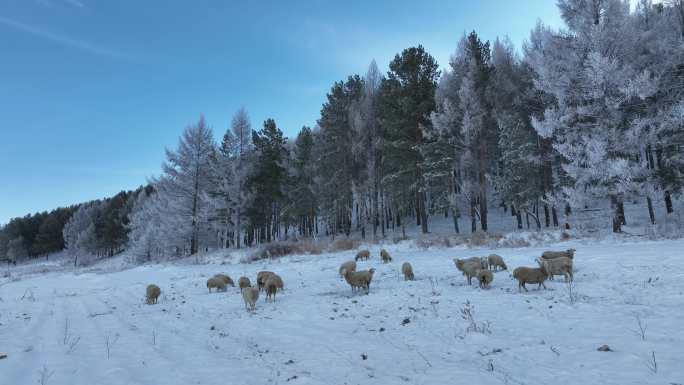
{"x":92,"y":91}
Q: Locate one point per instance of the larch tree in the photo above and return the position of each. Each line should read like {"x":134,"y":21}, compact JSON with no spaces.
{"x":186,"y":180}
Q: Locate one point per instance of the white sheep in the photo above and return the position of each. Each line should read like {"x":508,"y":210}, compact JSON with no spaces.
{"x":529,"y":275}
{"x":152,"y":294}
{"x":250,"y":295}
{"x":244,"y":283}
{"x":359,"y":279}
{"x":262,"y":276}
{"x":225,"y":278}
{"x":569,"y":253}
{"x":495,"y":261}
{"x":484,"y":277}
{"x":468,"y":267}
{"x":407,"y":270}
{"x":348,"y":266}
{"x":557,"y":266}
{"x":271,"y":287}
{"x":362,"y":255}
{"x":216,"y":283}
{"x":385,"y":256}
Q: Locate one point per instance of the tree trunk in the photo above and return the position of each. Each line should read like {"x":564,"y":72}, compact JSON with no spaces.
{"x":547,"y":219}
{"x":617,"y":217}
{"x":554,"y":216}
{"x":473,"y":220}
{"x":454,"y":214}
{"x":568,"y":211}
{"x":651,"y":213}
{"x":483,"y":210}
{"x":621,"y":211}
{"x":237,"y":229}
{"x":518,"y":217}
{"x":419,"y":214}
{"x":423,"y":212}
{"x":668,"y":202}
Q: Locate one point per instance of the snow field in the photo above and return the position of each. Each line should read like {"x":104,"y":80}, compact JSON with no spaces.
{"x":317,"y":332}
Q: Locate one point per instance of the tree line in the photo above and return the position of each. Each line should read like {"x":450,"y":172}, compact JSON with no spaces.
{"x":586,"y":114}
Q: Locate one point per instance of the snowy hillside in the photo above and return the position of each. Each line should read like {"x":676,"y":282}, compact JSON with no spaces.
{"x":88,"y":328}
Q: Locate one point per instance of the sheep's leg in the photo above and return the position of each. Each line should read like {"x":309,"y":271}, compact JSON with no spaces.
{"x":524,"y":287}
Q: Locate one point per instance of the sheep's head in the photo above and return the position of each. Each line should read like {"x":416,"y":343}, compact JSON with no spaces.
{"x":458,"y":262}
{"x":571,"y":252}
{"x":503,"y":265}
{"x":372,"y":271}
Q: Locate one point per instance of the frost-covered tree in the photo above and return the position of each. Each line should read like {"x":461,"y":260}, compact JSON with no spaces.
{"x":242,"y":132}
{"x":466,"y":120}
{"x":367,"y":145}
{"x":147,"y":240}
{"x":16,"y":250}
{"x":518,"y":178}
{"x":183,"y":187}
{"x":79,"y":231}
{"x":588,"y":72}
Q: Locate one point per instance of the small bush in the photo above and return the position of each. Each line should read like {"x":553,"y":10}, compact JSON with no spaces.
{"x":480,"y":238}
{"x":343,"y":244}
{"x":396,"y":240}
{"x":281,"y":249}
{"x":310,"y":247}
{"x":439,"y":242}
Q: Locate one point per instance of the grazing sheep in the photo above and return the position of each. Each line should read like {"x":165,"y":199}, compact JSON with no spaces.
{"x":569,"y":253}
{"x":362,"y":255}
{"x":407,"y":269}
{"x":250,"y":295}
{"x":278,"y":281}
{"x":152,"y":294}
{"x":482,"y":261}
{"x":529,"y":275}
{"x":384,"y":255}
{"x":271,"y":287}
{"x":557,"y":266}
{"x":495,"y":261}
{"x":262,"y":276}
{"x":468,"y":267}
{"x":349,"y":266}
{"x":359,"y":279}
{"x":244,"y":283}
{"x":226,"y":279}
{"x":484,"y":277}
{"x":216,"y":283}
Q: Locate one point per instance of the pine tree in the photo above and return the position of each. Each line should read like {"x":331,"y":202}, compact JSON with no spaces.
{"x":265,"y":183}
{"x":337,"y":168}
{"x":302,"y":196}
{"x":407,"y":98}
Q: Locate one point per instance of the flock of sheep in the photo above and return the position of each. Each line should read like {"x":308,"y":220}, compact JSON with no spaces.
{"x":549,"y":264}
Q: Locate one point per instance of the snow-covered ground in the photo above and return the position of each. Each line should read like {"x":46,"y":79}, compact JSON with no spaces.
{"x":93,"y":327}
